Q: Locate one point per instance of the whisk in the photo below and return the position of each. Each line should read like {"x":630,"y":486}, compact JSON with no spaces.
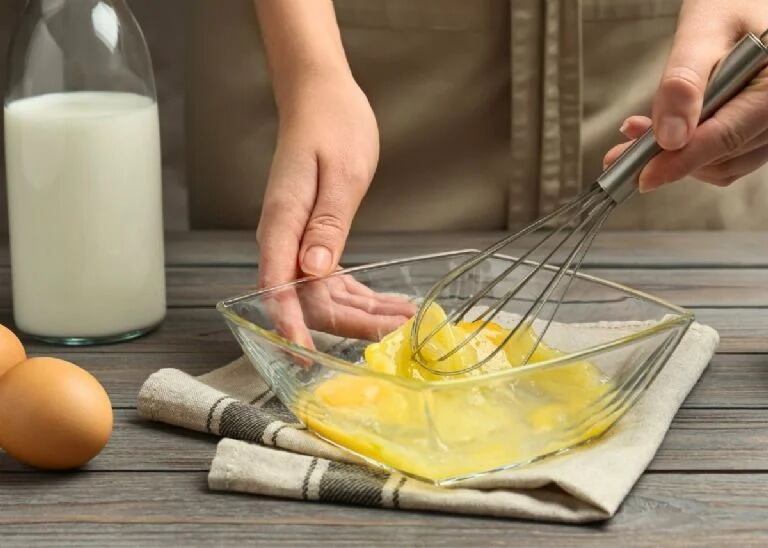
{"x":568,"y":231}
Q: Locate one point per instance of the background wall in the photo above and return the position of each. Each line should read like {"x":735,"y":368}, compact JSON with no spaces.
{"x":164,"y":24}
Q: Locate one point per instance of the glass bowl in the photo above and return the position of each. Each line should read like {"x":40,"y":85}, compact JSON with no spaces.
{"x":308,"y":338}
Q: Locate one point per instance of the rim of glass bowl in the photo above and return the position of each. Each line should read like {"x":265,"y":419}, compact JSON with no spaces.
{"x":681,"y":317}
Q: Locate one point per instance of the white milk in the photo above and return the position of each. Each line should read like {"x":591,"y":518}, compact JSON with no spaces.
{"x":85,"y":207}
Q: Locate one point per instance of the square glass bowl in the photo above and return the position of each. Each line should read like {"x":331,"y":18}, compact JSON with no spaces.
{"x":307,"y":339}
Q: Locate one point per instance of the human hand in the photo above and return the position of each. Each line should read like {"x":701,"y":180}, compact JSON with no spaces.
{"x":326,"y":155}
{"x":734,"y":141}
{"x":339,"y":305}
{"x":327,"y":151}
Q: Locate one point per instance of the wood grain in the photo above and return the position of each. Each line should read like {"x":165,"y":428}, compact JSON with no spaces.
{"x":742,"y":330}
{"x":198,"y":286}
{"x":195,"y":341}
{"x":731,"y":380}
{"x":699,"y":439}
{"x":122,"y":373}
{"x":130,"y":509}
{"x":624,"y":249}
{"x":185,"y":330}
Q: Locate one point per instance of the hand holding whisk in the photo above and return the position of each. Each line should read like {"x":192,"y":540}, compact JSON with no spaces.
{"x":541,"y":276}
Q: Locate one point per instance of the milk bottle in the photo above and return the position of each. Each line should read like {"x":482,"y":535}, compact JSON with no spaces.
{"x":83,"y":170}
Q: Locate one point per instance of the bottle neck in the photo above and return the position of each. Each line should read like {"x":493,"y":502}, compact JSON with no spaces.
{"x":47,"y":8}
{"x":58,"y":4}
{"x":79,"y":45}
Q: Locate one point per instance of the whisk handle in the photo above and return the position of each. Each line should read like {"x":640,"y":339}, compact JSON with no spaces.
{"x":747,"y":58}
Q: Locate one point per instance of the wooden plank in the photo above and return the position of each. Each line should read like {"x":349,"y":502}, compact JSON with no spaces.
{"x":715,"y":439}
{"x":186,"y":287}
{"x":200,"y":286}
{"x":630,"y":248}
{"x":194,"y":341}
{"x":207,"y":247}
{"x":132,"y":509}
{"x":137,"y":444}
{"x":202,"y":329}
{"x":731,"y":380}
{"x":742,"y":330}
{"x":699,"y":440}
{"x":184,"y":330}
{"x":122,"y":373}
{"x":610,"y":249}
{"x":197,"y":344}
{"x":700,"y":288}
{"x":621,"y":249}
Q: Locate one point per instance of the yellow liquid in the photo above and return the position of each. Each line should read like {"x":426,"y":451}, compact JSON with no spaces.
{"x":458,"y":429}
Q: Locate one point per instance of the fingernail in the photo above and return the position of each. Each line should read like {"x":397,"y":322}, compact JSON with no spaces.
{"x":317,"y":261}
{"x":645,"y":187}
{"x":673,"y":132}
{"x":624,"y":127}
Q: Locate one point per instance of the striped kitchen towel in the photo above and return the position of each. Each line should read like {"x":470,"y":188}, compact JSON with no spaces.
{"x":265,"y":451}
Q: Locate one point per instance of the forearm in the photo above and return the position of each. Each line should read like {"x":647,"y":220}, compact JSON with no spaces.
{"x":302,"y":40}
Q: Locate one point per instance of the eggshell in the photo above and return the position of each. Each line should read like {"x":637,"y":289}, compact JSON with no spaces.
{"x":53,"y":414}
{"x":11,"y":350}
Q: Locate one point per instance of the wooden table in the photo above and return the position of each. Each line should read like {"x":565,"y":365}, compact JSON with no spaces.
{"x":708,"y":483}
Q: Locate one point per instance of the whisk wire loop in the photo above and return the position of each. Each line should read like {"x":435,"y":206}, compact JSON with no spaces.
{"x":583,"y":248}
{"x":582,"y":202}
{"x":592,"y":206}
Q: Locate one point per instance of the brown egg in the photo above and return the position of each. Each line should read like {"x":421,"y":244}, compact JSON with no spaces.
{"x":11,"y":350}
{"x":53,"y":415}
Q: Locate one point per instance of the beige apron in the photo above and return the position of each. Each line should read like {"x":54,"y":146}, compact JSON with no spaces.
{"x":492,"y":112}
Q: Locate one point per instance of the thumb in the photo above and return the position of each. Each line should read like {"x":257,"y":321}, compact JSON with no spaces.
{"x":678,"y":101}
{"x":340,"y":191}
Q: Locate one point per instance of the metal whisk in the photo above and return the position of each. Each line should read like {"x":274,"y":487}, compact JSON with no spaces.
{"x":570,"y":230}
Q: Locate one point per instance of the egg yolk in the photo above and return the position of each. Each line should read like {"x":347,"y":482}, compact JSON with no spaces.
{"x":447,"y":430}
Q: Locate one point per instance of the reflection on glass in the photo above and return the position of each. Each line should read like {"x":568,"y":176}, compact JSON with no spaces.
{"x":106,"y":25}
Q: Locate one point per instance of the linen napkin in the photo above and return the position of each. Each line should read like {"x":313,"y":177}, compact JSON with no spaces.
{"x":265,"y":451}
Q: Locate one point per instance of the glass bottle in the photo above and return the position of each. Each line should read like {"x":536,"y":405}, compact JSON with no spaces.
{"x":83,"y":163}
